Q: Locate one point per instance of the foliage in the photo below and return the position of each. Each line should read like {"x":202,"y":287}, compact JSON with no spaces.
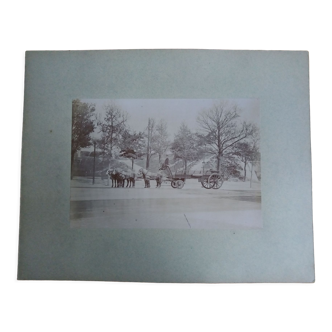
{"x":132,"y":145}
{"x":82,"y":124}
{"x":111,"y":127}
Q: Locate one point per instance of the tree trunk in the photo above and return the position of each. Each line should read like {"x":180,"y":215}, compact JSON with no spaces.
{"x":72,"y":163}
{"x":148,"y":146}
{"x":252,"y":167}
{"x":218,"y":163}
{"x":148,"y":154}
{"x":94,"y":163}
{"x":245,"y":170}
{"x":108,"y":177}
{"x":132,"y":163}
{"x":147,"y":161}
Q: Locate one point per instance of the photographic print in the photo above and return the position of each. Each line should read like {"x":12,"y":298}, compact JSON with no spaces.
{"x":166,"y":164}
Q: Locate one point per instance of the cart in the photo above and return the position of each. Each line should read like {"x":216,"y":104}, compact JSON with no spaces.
{"x":210,"y":179}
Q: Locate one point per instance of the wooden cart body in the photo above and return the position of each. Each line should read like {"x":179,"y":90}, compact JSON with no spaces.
{"x":210,"y":179}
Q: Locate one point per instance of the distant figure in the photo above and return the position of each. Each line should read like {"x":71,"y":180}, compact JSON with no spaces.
{"x":159,"y":179}
{"x":146,"y":177}
{"x":164,"y":165}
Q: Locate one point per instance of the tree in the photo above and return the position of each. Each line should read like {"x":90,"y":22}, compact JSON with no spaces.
{"x":150,"y":135}
{"x":82,"y":126}
{"x":185,"y":146}
{"x":220,"y":130}
{"x":246,"y":152}
{"x":111,"y":127}
{"x":255,"y":154}
{"x":160,"y":142}
{"x":132,"y":146}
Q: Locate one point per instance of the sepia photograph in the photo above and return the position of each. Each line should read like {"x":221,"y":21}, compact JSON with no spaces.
{"x":166,"y":164}
{"x":141,"y":169}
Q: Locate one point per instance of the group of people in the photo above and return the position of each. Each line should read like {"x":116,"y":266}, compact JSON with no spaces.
{"x":120,"y":177}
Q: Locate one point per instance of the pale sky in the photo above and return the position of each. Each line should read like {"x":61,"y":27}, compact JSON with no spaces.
{"x":173,"y":111}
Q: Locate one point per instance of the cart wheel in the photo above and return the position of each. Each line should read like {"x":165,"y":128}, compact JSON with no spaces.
{"x":206,"y":184}
{"x":215,"y":181}
{"x":219,"y":183}
{"x":173,"y":184}
{"x":179,"y":184}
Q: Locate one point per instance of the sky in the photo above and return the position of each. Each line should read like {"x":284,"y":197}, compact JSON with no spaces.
{"x":173,"y":111}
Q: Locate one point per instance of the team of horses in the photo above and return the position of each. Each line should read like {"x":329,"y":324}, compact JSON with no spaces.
{"x":126,"y":178}
{"x":120,"y":178}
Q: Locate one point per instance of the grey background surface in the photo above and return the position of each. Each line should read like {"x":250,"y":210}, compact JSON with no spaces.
{"x":280,"y":252}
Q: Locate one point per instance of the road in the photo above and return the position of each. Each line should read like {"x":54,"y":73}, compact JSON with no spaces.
{"x":193,"y":207}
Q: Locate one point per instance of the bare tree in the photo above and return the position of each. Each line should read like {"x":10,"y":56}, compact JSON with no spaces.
{"x":149,"y":146}
{"x":255,"y":156}
{"x":244,"y":151}
{"x":185,"y":146}
{"x":160,"y":142}
{"x":220,"y":130}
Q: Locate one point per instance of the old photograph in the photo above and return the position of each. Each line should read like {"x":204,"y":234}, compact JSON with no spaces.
{"x":166,"y":164}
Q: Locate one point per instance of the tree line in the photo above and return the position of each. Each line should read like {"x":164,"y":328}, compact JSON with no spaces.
{"x":221,"y":136}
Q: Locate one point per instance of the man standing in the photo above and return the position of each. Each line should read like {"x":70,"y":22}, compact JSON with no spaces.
{"x":147,"y":180}
{"x":159,"y":179}
{"x":143,"y":175}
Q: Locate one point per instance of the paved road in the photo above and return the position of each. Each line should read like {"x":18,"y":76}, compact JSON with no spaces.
{"x":165,"y":208}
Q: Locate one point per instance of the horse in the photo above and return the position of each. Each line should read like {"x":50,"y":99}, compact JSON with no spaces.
{"x":130,"y":176}
{"x":112,"y":174}
{"x":116,"y":177}
{"x":147,"y":176}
